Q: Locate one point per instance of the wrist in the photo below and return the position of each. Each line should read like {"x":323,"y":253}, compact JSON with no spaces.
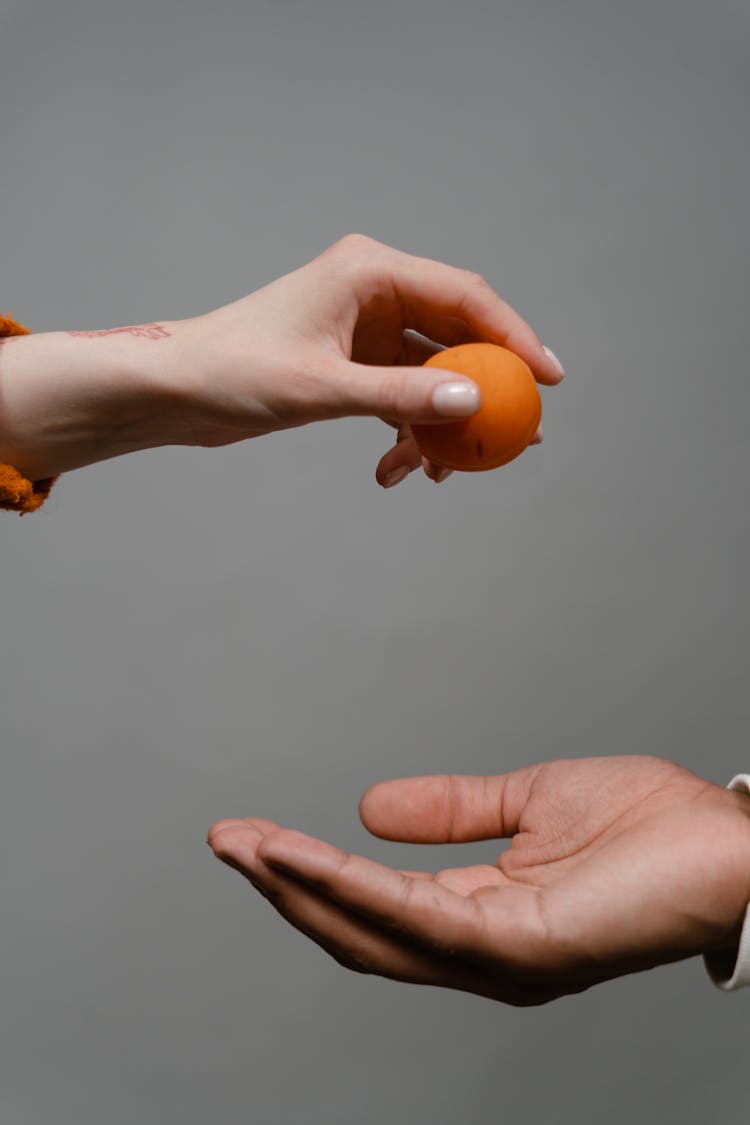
{"x":69,"y":399}
{"x":741,"y":799}
{"x":728,"y":963}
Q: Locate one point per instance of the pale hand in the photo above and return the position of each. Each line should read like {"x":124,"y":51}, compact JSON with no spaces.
{"x":615,"y":865}
{"x":347,"y":335}
{"x":343,"y":335}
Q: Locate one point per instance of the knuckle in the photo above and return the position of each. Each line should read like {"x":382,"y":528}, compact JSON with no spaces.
{"x":476,"y":280}
{"x":355,"y":244}
{"x":344,"y":863}
{"x":353,"y":256}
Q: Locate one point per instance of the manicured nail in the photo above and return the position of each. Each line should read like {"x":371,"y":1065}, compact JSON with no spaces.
{"x":456,"y":400}
{"x":396,"y":475}
{"x":551,"y":355}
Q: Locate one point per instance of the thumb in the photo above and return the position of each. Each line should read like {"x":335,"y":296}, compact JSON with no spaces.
{"x":447,"y":808}
{"x":405,"y":394}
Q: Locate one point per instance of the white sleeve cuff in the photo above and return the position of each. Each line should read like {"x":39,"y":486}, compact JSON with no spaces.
{"x":720,"y":968}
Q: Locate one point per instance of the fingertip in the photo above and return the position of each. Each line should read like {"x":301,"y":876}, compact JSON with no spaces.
{"x":557,"y":366}
{"x":387,"y":807}
{"x":220,"y":829}
{"x":435,"y":472}
{"x":395,"y":465}
{"x":545,"y":365}
{"x":395,"y":476}
{"x":213,"y":830}
{"x":368,"y":806}
{"x":364,"y":801}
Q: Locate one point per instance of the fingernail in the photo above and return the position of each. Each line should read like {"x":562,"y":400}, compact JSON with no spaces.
{"x":538,"y":437}
{"x":396,"y":475}
{"x":456,"y":400}
{"x":441,"y":475}
{"x":551,"y":355}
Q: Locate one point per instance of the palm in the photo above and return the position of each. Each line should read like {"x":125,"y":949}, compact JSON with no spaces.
{"x":576,"y":809}
{"x":599,"y":875}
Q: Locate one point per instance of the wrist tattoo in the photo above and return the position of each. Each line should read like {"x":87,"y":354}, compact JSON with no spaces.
{"x":148,"y":331}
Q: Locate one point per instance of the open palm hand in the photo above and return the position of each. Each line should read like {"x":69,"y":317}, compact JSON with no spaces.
{"x":615,"y":865}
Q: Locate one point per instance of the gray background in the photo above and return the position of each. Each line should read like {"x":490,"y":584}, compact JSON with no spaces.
{"x":192,"y":634}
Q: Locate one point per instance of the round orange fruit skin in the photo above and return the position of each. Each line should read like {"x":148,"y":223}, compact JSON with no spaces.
{"x":505,"y":422}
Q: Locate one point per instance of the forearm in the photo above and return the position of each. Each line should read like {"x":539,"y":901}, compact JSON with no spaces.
{"x":68,"y":399}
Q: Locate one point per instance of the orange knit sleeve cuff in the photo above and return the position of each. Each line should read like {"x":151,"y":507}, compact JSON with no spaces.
{"x":17,"y":494}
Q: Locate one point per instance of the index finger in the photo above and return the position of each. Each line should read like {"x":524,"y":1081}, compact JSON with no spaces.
{"x":427,"y":912}
{"x":448,"y":304}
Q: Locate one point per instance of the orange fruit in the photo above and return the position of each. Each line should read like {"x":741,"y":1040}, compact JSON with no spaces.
{"x":505,"y":422}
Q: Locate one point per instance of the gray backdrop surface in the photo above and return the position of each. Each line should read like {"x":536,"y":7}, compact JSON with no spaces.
{"x":192,"y":634}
